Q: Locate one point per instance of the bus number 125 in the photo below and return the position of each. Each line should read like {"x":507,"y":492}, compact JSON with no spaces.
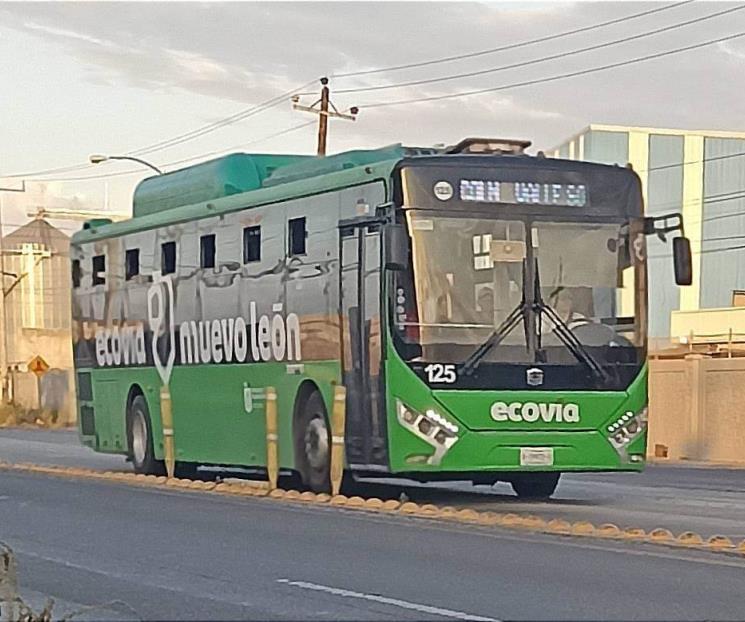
{"x":437,"y":373}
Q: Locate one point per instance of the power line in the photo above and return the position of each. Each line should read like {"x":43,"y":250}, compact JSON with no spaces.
{"x":50,"y":171}
{"x":325,"y":111}
{"x":724,"y":238}
{"x":207,"y":129}
{"x":703,"y":251}
{"x":215,"y":125}
{"x":724,"y":216}
{"x":179,"y":139}
{"x":543,"y":59}
{"x":190,"y":158}
{"x":244,"y":145}
{"x":712,"y":198}
{"x":562,"y":76}
{"x":511,"y":46}
{"x":704,"y":161}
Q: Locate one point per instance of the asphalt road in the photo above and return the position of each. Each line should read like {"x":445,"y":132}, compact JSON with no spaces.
{"x":154,"y":554}
{"x":53,"y":447}
{"x":706,"y":500}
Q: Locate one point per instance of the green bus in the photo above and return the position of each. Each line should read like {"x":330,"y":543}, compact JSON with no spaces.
{"x":485,"y":310}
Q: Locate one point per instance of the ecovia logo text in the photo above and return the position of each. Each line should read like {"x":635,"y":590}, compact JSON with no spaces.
{"x":530,"y":412}
{"x":234,"y":339}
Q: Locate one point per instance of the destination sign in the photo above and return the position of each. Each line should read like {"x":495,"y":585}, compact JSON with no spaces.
{"x":535,"y":186}
{"x":523,"y":192}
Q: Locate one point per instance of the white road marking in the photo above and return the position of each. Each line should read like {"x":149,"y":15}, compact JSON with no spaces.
{"x":446,"y":613}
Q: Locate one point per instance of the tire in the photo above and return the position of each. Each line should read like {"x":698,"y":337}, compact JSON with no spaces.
{"x":535,"y":485}
{"x":312,"y":436}
{"x":140,"y":439}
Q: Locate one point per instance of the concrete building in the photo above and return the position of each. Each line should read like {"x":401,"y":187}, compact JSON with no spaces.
{"x":702,"y":174}
{"x":36,"y":318}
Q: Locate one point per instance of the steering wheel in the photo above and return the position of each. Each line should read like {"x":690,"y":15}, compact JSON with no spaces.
{"x":580,"y":321}
{"x":596,"y":334}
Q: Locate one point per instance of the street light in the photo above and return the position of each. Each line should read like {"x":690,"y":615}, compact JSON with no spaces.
{"x":97,"y":159}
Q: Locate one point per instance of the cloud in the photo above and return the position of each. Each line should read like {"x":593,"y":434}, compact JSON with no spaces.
{"x":296,"y":40}
{"x":249,"y":52}
{"x":728,"y":48}
{"x":66,"y":34}
{"x":198,"y":66}
{"x":18,"y":208}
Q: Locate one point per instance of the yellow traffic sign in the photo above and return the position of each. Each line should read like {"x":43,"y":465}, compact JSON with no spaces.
{"x":38,"y":366}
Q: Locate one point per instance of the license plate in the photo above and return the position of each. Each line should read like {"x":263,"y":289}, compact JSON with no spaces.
{"x":536,"y":456}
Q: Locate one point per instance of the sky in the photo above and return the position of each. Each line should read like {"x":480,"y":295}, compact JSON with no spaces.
{"x":104,"y":77}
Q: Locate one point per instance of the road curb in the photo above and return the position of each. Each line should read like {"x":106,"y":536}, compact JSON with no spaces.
{"x":523,"y":522}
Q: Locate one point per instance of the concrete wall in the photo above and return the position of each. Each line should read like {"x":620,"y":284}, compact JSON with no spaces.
{"x":711,"y":324}
{"x":57,"y":385}
{"x":697,"y":409}
{"x":53,"y":393}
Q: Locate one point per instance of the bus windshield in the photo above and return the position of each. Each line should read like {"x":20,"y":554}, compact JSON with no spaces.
{"x":469,"y":274}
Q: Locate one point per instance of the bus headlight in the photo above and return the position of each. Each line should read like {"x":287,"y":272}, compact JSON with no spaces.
{"x":431,"y":427}
{"x":627,"y":428}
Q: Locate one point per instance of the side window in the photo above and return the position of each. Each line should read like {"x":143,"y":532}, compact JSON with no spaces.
{"x":76,"y":273}
{"x":207,"y":251}
{"x":297,"y":235}
{"x":251,"y":244}
{"x":99,"y":270}
{"x":131,"y":263}
{"x":168,"y":257}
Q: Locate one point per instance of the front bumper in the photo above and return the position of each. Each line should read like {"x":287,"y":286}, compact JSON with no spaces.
{"x":500,"y":451}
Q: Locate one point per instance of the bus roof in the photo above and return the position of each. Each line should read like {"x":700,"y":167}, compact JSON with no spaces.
{"x":240,"y":180}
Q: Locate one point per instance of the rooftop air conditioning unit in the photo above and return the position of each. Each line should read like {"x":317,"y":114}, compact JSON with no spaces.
{"x":495,"y":146}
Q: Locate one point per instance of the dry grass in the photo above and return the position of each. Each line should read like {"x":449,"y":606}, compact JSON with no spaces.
{"x":17,"y":416}
{"x":14,"y":609}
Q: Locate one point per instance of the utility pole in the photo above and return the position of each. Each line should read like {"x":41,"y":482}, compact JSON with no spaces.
{"x":323,"y":118}
{"x":324,"y":113}
{"x":3,"y":321}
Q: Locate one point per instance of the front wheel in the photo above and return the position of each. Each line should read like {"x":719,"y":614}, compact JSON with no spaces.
{"x":140,"y":437}
{"x":312,"y":437}
{"x":535,"y":485}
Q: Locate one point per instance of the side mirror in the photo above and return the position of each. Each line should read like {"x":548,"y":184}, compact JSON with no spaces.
{"x":682,"y":261}
{"x":396,"y":245}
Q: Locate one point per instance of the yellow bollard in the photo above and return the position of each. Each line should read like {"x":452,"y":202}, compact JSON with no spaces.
{"x":337,"y":438}
{"x":272,"y":459}
{"x":166,"y":419}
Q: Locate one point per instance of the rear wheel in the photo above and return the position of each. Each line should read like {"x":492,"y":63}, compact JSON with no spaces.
{"x":140,"y":438}
{"x":535,"y":485}
{"x":312,"y":438}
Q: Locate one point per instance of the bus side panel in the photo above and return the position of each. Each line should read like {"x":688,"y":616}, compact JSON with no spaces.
{"x":225,"y":422}
{"x":110,"y":391}
{"x":216,"y":418}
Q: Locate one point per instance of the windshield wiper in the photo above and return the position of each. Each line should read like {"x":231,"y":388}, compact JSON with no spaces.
{"x":562,"y":330}
{"x":574,"y":345}
{"x":504,"y":329}
{"x":565,"y":334}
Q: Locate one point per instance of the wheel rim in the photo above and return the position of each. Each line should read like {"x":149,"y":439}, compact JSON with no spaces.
{"x":316,"y":443}
{"x":139,"y":439}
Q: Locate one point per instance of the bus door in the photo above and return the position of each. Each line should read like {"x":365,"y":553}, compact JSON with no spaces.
{"x":361,"y":341}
